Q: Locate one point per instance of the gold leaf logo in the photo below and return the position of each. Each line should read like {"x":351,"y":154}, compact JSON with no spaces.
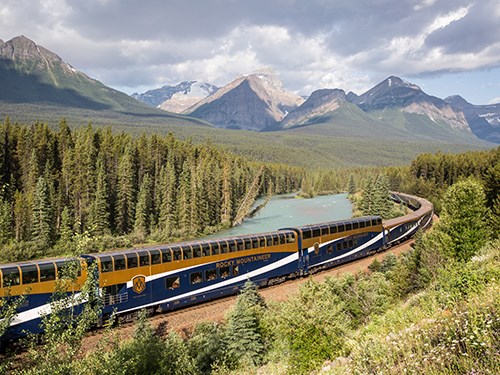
{"x":139,"y":284}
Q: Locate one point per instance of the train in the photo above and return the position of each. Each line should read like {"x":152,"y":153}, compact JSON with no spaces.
{"x":167,"y":277}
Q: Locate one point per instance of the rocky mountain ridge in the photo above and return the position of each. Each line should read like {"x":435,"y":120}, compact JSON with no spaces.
{"x":253,"y":102}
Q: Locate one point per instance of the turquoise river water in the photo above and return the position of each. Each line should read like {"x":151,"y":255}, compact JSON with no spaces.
{"x":287,"y":211}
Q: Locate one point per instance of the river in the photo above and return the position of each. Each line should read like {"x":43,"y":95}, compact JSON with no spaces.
{"x":287,"y":211}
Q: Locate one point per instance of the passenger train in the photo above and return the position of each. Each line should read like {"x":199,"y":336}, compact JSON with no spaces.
{"x":167,"y":277}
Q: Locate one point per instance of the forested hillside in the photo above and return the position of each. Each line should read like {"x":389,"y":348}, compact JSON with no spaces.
{"x":76,"y":191}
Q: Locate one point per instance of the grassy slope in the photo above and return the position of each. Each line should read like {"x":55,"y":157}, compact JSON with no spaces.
{"x":329,"y":145}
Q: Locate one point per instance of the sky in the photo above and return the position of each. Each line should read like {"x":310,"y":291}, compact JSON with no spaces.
{"x":446,"y":47}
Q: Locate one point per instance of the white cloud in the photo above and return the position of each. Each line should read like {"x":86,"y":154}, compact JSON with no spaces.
{"x":494,"y":100}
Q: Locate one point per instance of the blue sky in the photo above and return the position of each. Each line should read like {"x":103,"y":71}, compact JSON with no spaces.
{"x":445,"y":46}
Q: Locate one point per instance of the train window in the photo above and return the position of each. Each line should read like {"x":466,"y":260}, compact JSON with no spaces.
{"x":348,"y":226}
{"x":10,"y":276}
{"x":316,"y":232}
{"x":306,"y":233}
{"x":196,"y":251}
{"x":248,"y":243}
{"x":355,"y":225}
{"x":262,"y":242}
{"x":166,"y":255}
{"x":205,"y":248}
{"x":155,"y":256}
{"x":106,"y":264}
{"x":333,"y":229}
{"x":215,"y":248}
{"x":177,"y":253}
{"x":47,"y":271}
{"x":113,"y":289}
{"x":344,"y":245}
{"x":269,"y":240}
{"x":282,"y":238}
{"x":30,"y":274}
{"x":224,"y":272}
{"x":119,"y":262}
{"x":362,"y":224}
{"x":143,"y":258}
{"x":69,"y":268}
{"x":172,"y":282}
{"x":341,"y":227}
{"x":350,"y":245}
{"x":132,"y":261}
{"x":290,"y":238}
{"x":276,"y":240}
{"x":329,"y":249}
{"x":210,"y":274}
{"x":223,"y":247}
{"x":232,"y":246}
{"x":236,"y":270}
{"x":196,"y":277}
{"x":324,"y":231}
{"x":240,"y":244}
{"x":187,"y":252}
{"x":379,"y":221}
{"x":255,"y":243}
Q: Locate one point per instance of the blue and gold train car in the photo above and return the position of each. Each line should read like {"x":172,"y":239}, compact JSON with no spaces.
{"x":168,"y":277}
{"x":37,"y":281}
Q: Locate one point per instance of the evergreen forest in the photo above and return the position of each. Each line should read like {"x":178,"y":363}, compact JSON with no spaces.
{"x":87,"y":190}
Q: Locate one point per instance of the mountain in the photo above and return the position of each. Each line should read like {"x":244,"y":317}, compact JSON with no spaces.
{"x":177,"y":98}
{"x":253,"y":102}
{"x":396,"y":93}
{"x":37,"y":84}
{"x":484,"y":120}
{"x":317,"y":104}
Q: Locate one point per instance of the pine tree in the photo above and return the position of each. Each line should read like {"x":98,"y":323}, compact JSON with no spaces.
{"x":99,"y":215}
{"x":143,"y":208}
{"x":243,"y":336}
{"x":66,"y":230}
{"x":226,"y":206}
{"x":126,"y":191}
{"x":184,"y":199}
{"x":352,"y":185}
{"x":167,"y":214}
{"x":5,"y":221}
{"x":43,"y":220}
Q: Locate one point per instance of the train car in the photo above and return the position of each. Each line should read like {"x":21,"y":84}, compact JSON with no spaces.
{"x":328,"y":244}
{"x":168,"y":277}
{"x":36,"y":280}
{"x":402,"y":228}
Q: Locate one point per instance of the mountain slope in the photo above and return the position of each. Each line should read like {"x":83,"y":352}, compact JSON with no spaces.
{"x":252,"y":102}
{"x":37,"y":84}
{"x":396,"y":93}
{"x":484,"y":120}
{"x":176,"y":98}
{"x":317,"y":104}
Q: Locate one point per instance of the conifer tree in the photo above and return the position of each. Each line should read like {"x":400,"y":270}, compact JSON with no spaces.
{"x":66,"y":230}
{"x":5,"y":221}
{"x":43,"y":220}
{"x":99,"y":214}
{"x":126,"y":191}
{"x":352,"y":185}
{"x":243,"y":336}
{"x":167,"y":215}
{"x":143,"y":208}
{"x":226,"y":207}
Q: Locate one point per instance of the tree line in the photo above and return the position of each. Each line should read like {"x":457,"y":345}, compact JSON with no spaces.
{"x":87,"y":189}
